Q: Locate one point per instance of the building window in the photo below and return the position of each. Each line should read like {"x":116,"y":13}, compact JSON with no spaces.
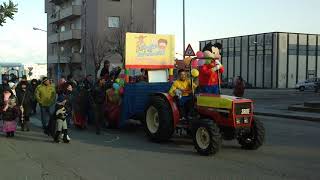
{"x":61,"y":49}
{"x":114,"y":22}
{"x":292,"y":49}
{"x":62,"y":29}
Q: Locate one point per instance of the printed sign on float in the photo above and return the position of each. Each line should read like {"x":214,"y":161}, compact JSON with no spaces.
{"x":150,"y":51}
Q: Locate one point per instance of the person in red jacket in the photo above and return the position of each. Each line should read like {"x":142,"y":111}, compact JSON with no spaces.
{"x":211,"y":70}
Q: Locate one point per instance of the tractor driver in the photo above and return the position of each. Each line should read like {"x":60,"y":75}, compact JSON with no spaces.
{"x":181,"y":90}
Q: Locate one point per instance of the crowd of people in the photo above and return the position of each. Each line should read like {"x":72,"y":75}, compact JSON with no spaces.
{"x":62,"y":104}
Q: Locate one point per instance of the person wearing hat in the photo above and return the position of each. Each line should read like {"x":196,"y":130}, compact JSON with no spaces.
{"x":45,"y":95}
{"x":22,"y":81}
{"x":25,"y":99}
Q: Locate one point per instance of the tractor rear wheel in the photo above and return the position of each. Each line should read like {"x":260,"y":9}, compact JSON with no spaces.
{"x":158,"y":122}
{"x":206,"y":137}
{"x":255,"y":138}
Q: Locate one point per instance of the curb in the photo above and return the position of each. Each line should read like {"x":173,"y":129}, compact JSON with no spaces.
{"x":290,"y":116}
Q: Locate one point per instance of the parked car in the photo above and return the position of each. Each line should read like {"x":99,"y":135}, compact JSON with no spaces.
{"x":317,"y":87}
{"x":307,"y":84}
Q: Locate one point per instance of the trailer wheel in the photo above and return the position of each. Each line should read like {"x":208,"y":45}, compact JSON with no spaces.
{"x":159,"y":120}
{"x":206,"y":137}
{"x":255,"y":138}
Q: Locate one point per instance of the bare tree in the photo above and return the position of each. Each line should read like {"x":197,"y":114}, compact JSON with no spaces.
{"x":99,"y":49}
{"x":117,"y":39}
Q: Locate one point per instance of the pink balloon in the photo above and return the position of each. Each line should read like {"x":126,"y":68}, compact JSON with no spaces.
{"x":201,"y":62}
{"x":194,"y":63}
{"x":200,"y":54}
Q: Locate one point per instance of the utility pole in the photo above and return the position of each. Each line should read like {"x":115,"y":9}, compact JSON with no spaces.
{"x":59,"y":49}
{"x":184,"y":30}
{"x":131,"y":23}
{"x":84,"y":41}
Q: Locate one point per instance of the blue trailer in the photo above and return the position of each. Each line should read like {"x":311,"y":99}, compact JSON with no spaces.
{"x":136,"y":99}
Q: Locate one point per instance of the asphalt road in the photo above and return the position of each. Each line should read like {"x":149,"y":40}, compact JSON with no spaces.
{"x":292,"y":151}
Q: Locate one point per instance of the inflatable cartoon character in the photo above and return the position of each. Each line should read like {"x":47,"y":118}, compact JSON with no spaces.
{"x":211,"y":70}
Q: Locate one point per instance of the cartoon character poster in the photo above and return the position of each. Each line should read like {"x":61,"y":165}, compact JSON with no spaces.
{"x":151,"y":51}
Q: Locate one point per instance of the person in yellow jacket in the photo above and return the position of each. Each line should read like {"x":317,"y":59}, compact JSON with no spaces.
{"x":45,"y":95}
{"x":181,"y":90}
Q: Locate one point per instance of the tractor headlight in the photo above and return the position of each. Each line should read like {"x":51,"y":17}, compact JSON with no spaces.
{"x":238,"y":120}
{"x":246,"y":120}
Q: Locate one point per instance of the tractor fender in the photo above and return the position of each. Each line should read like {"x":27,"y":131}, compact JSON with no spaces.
{"x":173,"y":105}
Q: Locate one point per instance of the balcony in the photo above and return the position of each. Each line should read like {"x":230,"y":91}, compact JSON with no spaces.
{"x":74,"y":34}
{"x":65,"y":58}
{"x":66,"y":14}
{"x":56,"y":1}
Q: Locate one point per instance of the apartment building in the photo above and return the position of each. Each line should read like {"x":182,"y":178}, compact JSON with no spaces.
{"x":72,"y":24}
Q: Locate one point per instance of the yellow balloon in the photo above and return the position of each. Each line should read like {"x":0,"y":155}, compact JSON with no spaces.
{"x":194,"y":72}
{"x":187,"y":60}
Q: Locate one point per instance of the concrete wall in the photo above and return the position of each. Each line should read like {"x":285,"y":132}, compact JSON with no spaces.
{"x":292,"y":62}
{"x":231,"y":58}
{"x":259,"y":61}
{"x":268,"y":60}
{"x":237,"y":55}
{"x":282,"y":60}
{"x":224,"y":57}
{"x":302,"y":61}
{"x":275,"y":60}
{"x":311,"y":68}
{"x":252,"y":60}
{"x":318,"y":57}
{"x":244,"y":58}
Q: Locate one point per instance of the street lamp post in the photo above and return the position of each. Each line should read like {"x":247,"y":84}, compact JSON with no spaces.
{"x":57,"y":30}
{"x":38,"y":29}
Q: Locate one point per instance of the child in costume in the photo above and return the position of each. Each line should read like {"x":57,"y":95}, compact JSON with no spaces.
{"x":210,"y":71}
{"x":61,"y":122}
{"x":10,"y":112}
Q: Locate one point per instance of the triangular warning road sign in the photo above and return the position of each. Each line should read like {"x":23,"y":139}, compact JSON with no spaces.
{"x":189,"y":51}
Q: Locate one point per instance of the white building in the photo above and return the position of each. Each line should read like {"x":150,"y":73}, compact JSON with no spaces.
{"x":271,"y":60}
{"x":35,"y":71}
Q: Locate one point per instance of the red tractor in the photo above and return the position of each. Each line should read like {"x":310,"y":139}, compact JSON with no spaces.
{"x":214,"y":117}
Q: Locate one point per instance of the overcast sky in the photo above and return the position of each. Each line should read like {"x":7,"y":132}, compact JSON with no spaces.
{"x":205,"y":19}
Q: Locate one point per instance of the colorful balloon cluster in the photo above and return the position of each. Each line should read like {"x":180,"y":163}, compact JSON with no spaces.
{"x":118,"y":86}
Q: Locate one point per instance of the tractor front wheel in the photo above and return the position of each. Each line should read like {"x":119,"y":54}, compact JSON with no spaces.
{"x":158,"y":120}
{"x":206,"y":137}
{"x":255,"y":138}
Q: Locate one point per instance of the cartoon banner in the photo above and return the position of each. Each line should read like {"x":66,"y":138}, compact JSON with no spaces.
{"x":150,"y":51}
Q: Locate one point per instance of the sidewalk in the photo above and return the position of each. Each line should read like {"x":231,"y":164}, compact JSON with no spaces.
{"x":315,"y":117}
{"x":275,"y":102}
